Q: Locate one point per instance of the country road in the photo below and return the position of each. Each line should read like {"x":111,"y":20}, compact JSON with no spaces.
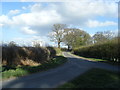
{"x":57,"y":76}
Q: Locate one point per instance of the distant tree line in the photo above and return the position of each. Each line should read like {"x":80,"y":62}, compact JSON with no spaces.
{"x":74,"y":37}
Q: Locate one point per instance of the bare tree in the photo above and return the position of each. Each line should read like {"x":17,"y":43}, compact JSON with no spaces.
{"x":36,"y":43}
{"x":12,"y":44}
{"x":103,"y":36}
{"x":57,"y":33}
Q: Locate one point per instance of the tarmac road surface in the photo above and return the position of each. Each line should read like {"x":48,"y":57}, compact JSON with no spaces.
{"x":57,"y":76}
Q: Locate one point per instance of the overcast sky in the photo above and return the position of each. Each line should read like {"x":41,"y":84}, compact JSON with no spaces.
{"x":24,"y":22}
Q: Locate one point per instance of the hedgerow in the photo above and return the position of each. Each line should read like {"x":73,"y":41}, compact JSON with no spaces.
{"x":16,"y":55}
{"x":108,"y":51}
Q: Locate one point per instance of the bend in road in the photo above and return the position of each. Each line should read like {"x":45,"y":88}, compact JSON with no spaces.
{"x":57,"y":76}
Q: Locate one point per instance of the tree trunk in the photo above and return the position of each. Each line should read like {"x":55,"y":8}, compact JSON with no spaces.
{"x":58,"y":44}
{"x":68,"y":47}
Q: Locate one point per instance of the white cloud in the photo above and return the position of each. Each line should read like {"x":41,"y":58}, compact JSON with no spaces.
{"x":1,"y":25}
{"x":42,"y":17}
{"x":13,"y":12}
{"x":27,"y":30}
{"x":94,"y":23}
{"x":24,"y":8}
{"x":4,"y":20}
{"x":37,"y":18}
{"x":89,"y":8}
{"x":36,"y":7}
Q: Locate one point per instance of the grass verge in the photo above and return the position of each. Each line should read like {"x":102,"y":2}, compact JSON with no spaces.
{"x":95,"y":78}
{"x":26,"y":70}
{"x":91,"y":59}
{"x":95,"y":59}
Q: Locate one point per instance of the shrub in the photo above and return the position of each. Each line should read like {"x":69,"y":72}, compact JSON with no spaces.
{"x":52,"y":51}
{"x":107,"y":50}
{"x":58,"y":51}
{"x":24,"y":55}
{"x":9,"y":54}
{"x":38,"y":54}
{"x":64,"y":49}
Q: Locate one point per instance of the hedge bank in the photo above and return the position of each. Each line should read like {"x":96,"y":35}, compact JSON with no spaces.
{"x":108,"y":51}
